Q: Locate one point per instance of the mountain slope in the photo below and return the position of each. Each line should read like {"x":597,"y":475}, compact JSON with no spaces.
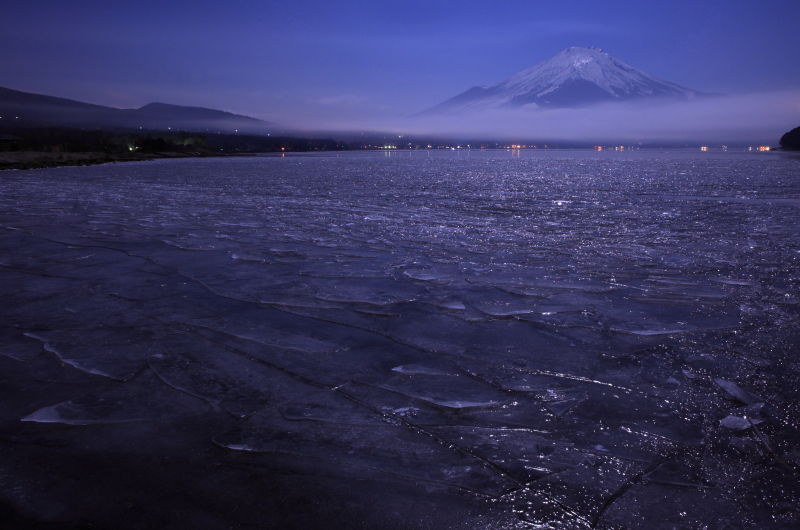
{"x":24,"y":109}
{"x":573,"y":77}
{"x":163,"y":115}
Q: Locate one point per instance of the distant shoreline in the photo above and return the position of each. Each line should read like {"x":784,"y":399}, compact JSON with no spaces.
{"x":20,"y":160}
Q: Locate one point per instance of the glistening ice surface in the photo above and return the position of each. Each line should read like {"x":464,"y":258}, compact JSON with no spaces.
{"x":403,"y":340}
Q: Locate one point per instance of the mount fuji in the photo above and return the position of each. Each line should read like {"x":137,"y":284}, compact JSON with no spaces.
{"x":574,"y":77}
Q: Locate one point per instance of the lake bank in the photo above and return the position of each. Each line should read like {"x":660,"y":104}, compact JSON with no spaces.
{"x":40,"y":159}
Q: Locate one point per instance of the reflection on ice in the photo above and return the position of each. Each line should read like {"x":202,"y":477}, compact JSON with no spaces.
{"x":565,"y":340}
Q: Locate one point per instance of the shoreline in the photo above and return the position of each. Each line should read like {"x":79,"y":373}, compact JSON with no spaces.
{"x":21,"y":160}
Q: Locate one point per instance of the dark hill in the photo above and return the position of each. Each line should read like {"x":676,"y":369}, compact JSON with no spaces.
{"x":164,"y":115}
{"x":791,"y":140}
{"x":23,"y":109}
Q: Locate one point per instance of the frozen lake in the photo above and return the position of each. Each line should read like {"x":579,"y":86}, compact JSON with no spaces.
{"x":403,"y":340}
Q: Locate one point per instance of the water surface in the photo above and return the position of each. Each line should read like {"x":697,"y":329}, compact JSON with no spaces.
{"x":482,"y":339}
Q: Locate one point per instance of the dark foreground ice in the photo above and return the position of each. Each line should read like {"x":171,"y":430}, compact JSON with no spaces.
{"x":403,"y":340}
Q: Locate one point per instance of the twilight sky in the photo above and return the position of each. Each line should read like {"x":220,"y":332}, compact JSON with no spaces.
{"x":306,"y":60}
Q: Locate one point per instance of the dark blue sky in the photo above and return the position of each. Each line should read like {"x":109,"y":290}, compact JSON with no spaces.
{"x":334,"y":59}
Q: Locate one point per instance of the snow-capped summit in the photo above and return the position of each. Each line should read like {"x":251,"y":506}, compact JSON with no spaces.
{"x":575,"y":76}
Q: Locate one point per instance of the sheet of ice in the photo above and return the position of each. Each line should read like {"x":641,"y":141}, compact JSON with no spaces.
{"x":392,"y":449}
{"x":557,"y":335}
{"x":735,"y":391}
{"x":117,"y":354}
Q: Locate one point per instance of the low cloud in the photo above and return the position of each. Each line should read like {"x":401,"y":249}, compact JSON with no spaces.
{"x":744,"y":118}
{"x":747,"y":118}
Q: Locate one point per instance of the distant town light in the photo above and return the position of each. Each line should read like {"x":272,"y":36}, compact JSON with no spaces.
{"x":704,"y":148}
{"x":764,"y":148}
